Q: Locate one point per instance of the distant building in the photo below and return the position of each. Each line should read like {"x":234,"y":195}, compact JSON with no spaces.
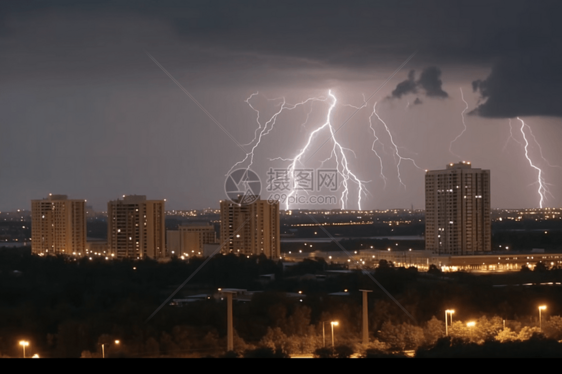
{"x":190,"y":239}
{"x":58,"y":226}
{"x":457,"y":210}
{"x":250,"y":229}
{"x":136,"y":228}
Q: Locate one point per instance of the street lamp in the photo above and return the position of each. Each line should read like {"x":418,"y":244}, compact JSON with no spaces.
{"x":24,"y":344}
{"x":333,"y":324}
{"x":103,"y":349}
{"x":448,"y":311}
{"x":542,"y":307}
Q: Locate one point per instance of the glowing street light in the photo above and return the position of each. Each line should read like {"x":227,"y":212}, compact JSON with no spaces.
{"x":448,"y":311}
{"x":103,"y":349}
{"x":333,"y":324}
{"x":24,"y":344}
{"x":542,"y":307}
{"x":471,"y":324}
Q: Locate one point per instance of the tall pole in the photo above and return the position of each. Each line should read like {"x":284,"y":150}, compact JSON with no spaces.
{"x":230,"y":334}
{"x":365,"y":318}
{"x":323,"y":334}
{"x":332,"y":334}
{"x":541,"y":308}
{"x":446,"y":325}
{"x":102,"y":352}
{"x":24,"y":351}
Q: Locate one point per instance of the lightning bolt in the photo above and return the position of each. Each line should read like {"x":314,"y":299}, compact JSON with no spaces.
{"x":374,"y":143}
{"x":542,"y":189}
{"x":261,"y":132}
{"x":463,"y":123}
{"x":400,"y":158}
{"x":540,"y":149}
{"x":338,"y":152}
{"x":264,"y":130}
{"x":511,"y":137}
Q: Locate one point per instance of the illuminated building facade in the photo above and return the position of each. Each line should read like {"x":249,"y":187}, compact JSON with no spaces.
{"x":136,"y":228}
{"x":190,"y":239}
{"x":250,"y":229}
{"x":458,"y":213}
{"x":58,"y":226}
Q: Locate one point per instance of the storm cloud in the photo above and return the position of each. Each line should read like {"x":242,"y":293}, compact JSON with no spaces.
{"x":429,"y":83}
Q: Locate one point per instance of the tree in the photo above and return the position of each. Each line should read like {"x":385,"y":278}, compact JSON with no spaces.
{"x":324,"y":352}
{"x":540,"y":267}
{"x":553,"y":327}
{"x":433,"y":269}
{"x":434,"y":330}
{"x":527,"y":333}
{"x":343,"y":351}
{"x":230,"y":354}
{"x":402,"y":337}
{"x":265,"y":352}
{"x":506,"y":335}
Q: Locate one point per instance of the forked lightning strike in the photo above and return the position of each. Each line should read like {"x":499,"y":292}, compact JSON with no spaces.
{"x":542,"y":189}
{"x":374,"y":143}
{"x":341,"y":161}
{"x":511,"y":137}
{"x":400,"y":158}
{"x":338,"y":150}
{"x":463,"y":123}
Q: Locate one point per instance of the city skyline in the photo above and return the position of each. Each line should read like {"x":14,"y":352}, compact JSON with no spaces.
{"x":116,"y":98}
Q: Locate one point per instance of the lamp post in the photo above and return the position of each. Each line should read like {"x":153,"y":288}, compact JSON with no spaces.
{"x":542,"y":307}
{"x":24,"y":344}
{"x":469,"y":325}
{"x":448,"y":311}
{"x":333,"y":324}
{"x":365,"y":317}
{"x":103,"y":348}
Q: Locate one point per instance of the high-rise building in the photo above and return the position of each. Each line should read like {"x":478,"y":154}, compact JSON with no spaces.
{"x":190,"y":239}
{"x":136,"y":228}
{"x":457,"y":210}
{"x":58,"y":226}
{"x":250,"y":229}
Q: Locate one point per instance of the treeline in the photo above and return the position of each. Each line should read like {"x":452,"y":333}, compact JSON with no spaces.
{"x":68,"y":308}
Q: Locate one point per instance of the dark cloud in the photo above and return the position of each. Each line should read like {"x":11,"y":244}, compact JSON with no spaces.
{"x":525,"y":85}
{"x":430,"y":83}
{"x":406,"y":87}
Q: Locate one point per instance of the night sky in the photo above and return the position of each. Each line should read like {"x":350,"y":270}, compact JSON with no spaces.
{"x":86,"y":110}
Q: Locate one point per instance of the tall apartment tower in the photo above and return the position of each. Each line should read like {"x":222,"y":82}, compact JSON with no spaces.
{"x":457,"y":210}
{"x":136,"y":228}
{"x":58,"y":226}
{"x":250,"y":229}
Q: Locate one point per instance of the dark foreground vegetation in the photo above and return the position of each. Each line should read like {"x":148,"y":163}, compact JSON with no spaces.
{"x":69,"y":308}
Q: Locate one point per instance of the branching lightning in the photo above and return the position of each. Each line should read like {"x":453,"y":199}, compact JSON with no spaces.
{"x":337,"y":152}
{"x":540,"y":149}
{"x":400,"y":158}
{"x":511,"y":137}
{"x":374,"y":143}
{"x":463,"y":123}
{"x":542,"y":185}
